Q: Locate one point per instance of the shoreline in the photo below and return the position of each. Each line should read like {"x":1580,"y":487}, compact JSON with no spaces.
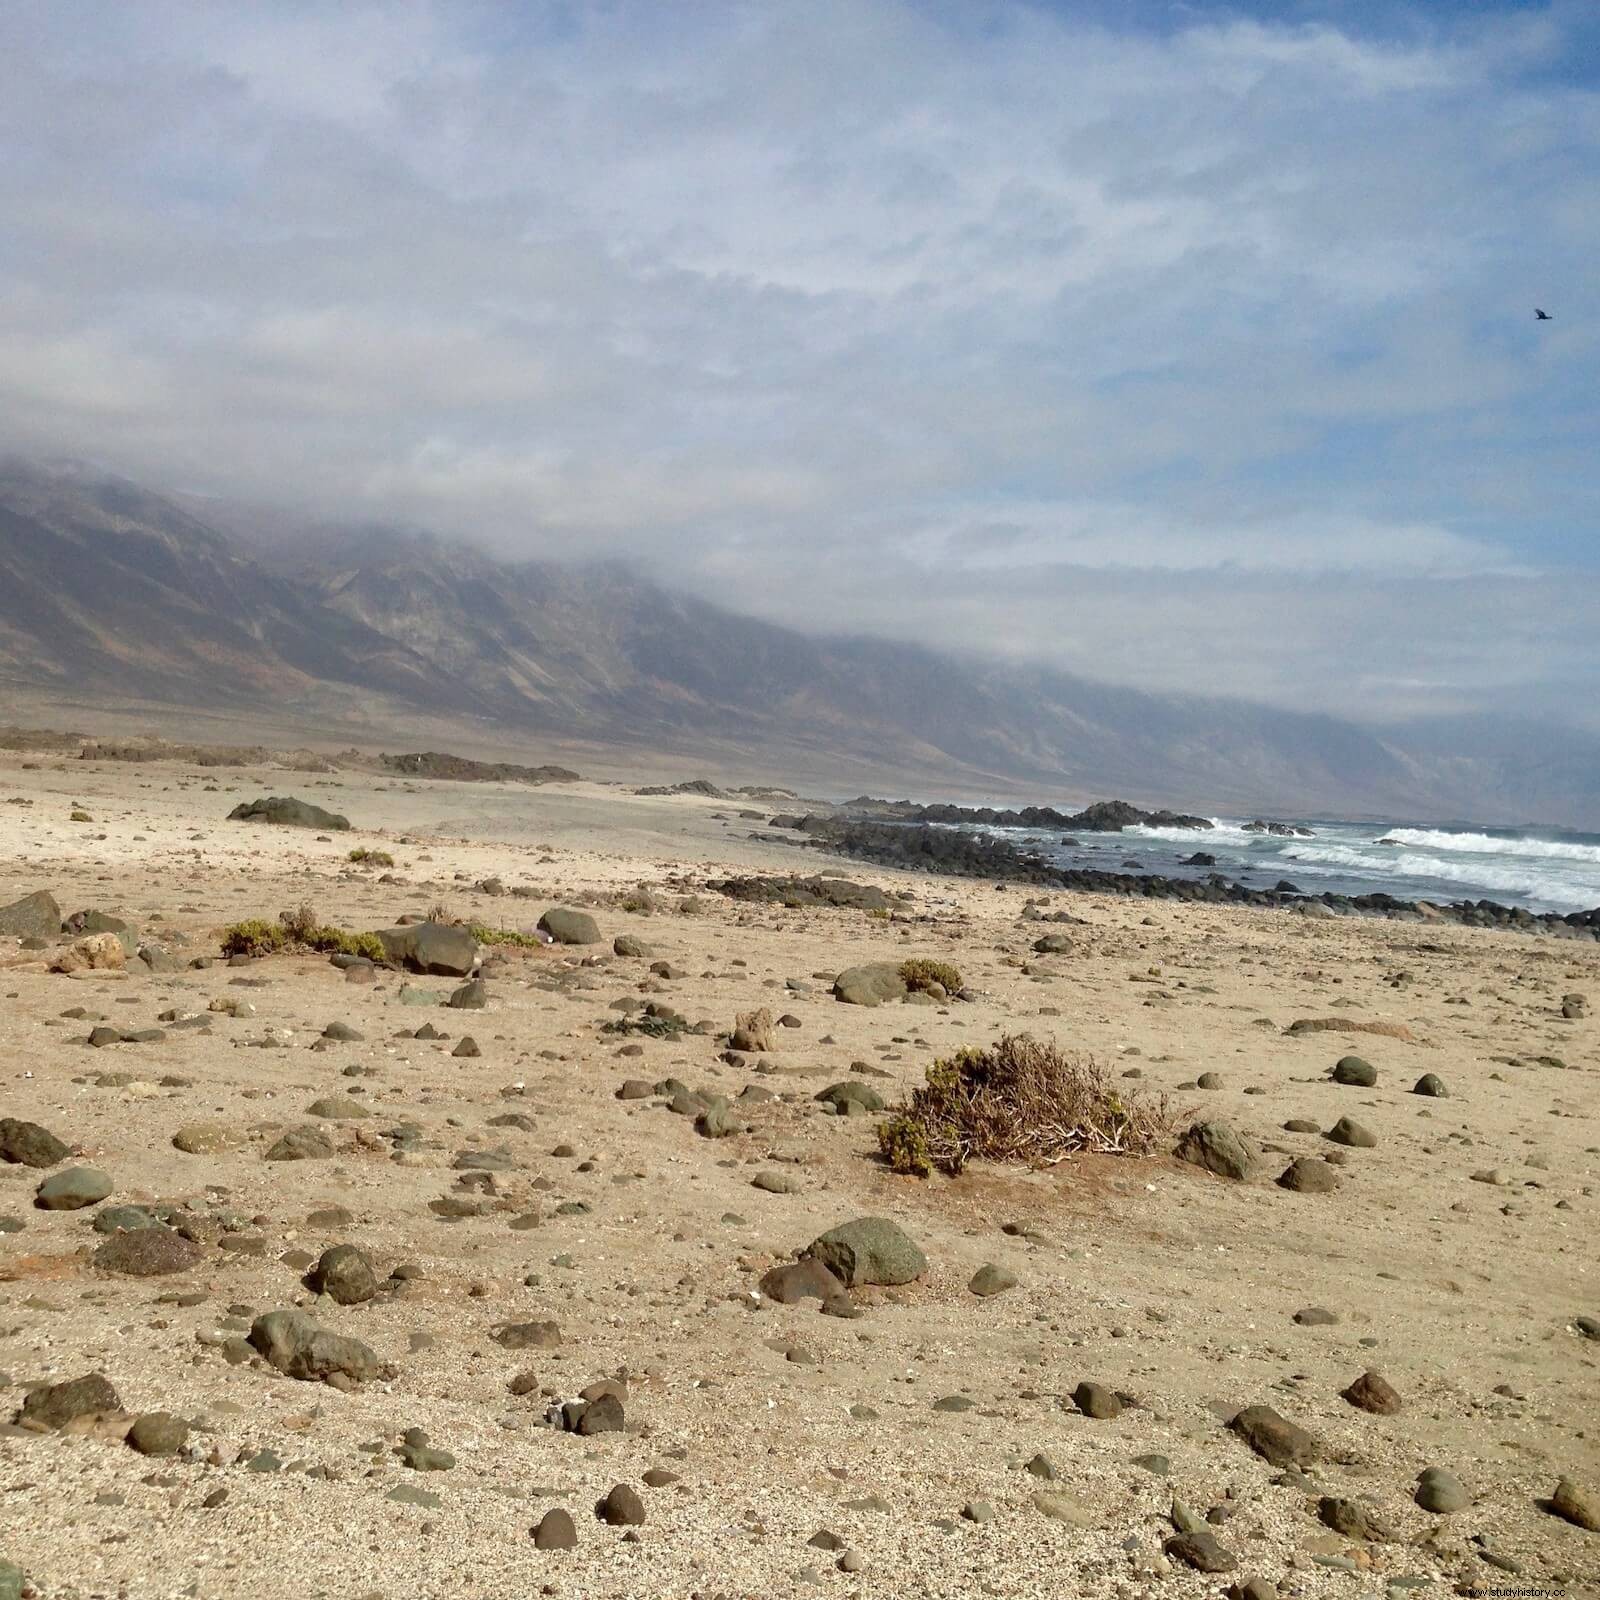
{"x":917,"y":845}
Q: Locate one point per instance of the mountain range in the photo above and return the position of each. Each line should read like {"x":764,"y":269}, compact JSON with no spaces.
{"x":111,"y":593}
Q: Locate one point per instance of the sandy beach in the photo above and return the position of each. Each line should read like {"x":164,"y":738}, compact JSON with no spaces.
{"x":928,"y":1445}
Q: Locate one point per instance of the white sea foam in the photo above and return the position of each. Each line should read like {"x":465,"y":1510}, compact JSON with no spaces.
{"x":1487,"y":844}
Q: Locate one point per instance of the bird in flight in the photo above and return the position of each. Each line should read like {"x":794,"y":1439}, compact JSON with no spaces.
{"x":1542,"y":316}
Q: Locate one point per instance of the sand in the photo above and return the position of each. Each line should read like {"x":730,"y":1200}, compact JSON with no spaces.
{"x":1158,"y":1280}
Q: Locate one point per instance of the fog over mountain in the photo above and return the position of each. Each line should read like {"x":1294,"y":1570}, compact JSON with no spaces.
{"x":110,"y":591}
{"x":1189,"y":348}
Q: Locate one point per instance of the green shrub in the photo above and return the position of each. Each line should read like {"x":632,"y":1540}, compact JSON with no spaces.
{"x":254,"y":938}
{"x":921,"y":973}
{"x":371,"y":858}
{"x":1021,"y":1101}
{"x":298,"y":930}
{"x":521,"y":941}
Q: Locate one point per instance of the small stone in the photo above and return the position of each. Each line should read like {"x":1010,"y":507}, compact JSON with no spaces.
{"x":527,"y":1335}
{"x":1573,"y":1505}
{"x":411,"y":1494}
{"x":1354,"y":1072}
{"x":1200,"y":1551}
{"x":1096,"y":1400}
{"x":345,"y":1275}
{"x":158,"y":1433}
{"x":1431,"y":1086}
{"x":1347,"y":1131}
{"x":555,"y":1530}
{"x":1373,"y":1393}
{"x":978,"y":1511}
{"x":1274,"y":1438}
{"x":1216,"y":1147}
{"x":301,"y":1144}
{"x":991,"y":1280}
{"x":1441,"y":1492}
{"x":1062,"y":1508}
{"x":206,"y":1139}
{"x":622,"y":1507}
{"x":1308,"y":1175}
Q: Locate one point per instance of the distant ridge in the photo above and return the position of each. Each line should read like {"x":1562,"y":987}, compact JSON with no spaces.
{"x":110,"y":590}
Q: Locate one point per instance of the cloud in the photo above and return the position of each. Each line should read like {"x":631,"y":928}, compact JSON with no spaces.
{"x":1185,"y":351}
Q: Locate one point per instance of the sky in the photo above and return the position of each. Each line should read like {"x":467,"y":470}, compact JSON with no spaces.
{"x":1183,"y":345}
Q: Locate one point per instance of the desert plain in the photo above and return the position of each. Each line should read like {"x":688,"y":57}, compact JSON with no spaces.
{"x":558,"y":1213}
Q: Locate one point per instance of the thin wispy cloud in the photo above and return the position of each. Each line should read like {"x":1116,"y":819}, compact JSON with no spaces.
{"x":1155,"y":342}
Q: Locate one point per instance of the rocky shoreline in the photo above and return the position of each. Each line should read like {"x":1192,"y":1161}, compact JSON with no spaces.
{"x":1104,"y":816}
{"x":921,"y":844}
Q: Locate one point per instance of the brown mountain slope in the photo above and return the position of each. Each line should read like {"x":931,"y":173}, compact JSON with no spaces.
{"x":106,"y":587}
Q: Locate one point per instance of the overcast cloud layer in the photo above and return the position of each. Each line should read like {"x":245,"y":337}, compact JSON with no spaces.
{"x":1170,"y":344}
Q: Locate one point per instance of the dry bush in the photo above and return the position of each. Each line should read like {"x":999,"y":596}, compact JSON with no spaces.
{"x":1023,"y":1101}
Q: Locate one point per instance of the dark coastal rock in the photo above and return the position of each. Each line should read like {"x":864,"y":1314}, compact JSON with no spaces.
{"x":288,"y":812}
{"x":990,"y":1280}
{"x":1350,"y":1133}
{"x":158,"y":1433}
{"x":345,"y":1275}
{"x":868,"y":1250}
{"x":805,"y":1279}
{"x":898,"y":835}
{"x":555,"y":1531}
{"x":1201,"y":1551}
{"x":1354,"y":1072}
{"x":873,"y":984}
{"x":72,"y":1189}
{"x":53,"y":1405}
{"x":1096,"y":1400}
{"x":851,"y":1098}
{"x":27,"y":1144}
{"x":307,"y":1143}
{"x":1216,"y":1147}
{"x":1441,"y":1492}
{"x":566,"y":926}
{"x":1351,"y":1519}
{"x":1431,"y":1087}
{"x":1308,"y":1175}
{"x":147,"y":1253}
{"x":1573,"y":1504}
{"x":441,"y":949}
{"x":1374,"y":1393}
{"x":805,"y":892}
{"x":1274,"y":1438}
{"x":463,"y":769}
{"x":297,"y":1346}
{"x":34,"y":916}
{"x":622,"y":1507}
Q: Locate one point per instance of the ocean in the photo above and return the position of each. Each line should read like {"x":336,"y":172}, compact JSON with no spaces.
{"x":1540,"y":869}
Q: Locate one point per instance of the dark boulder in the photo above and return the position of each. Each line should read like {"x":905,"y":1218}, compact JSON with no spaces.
{"x":288,"y":812}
